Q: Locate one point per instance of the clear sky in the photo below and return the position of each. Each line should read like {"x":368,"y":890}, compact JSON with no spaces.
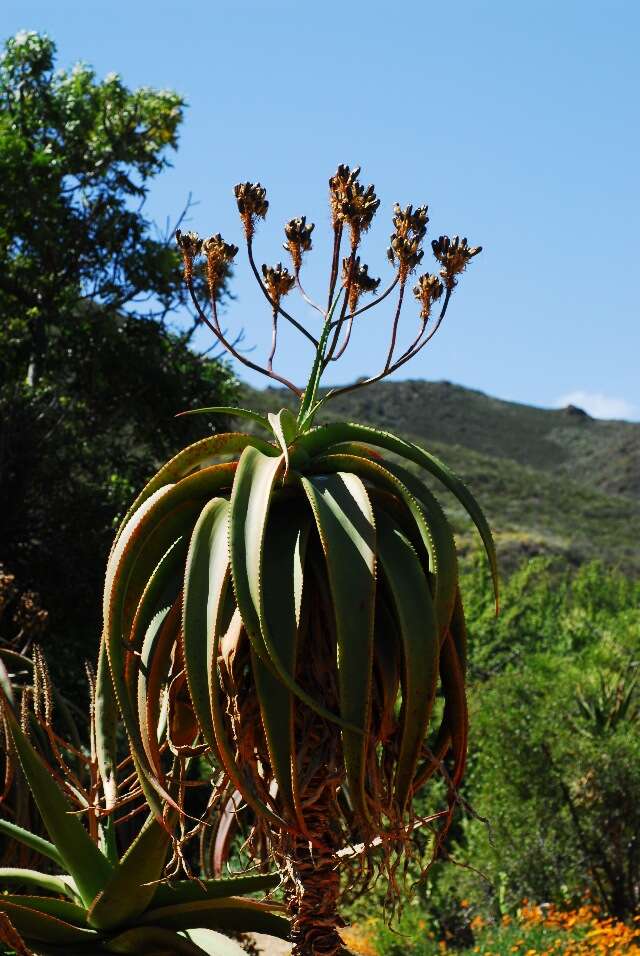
{"x":517,"y":122}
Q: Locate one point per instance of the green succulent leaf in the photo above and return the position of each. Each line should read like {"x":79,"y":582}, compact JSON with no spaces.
{"x":228,"y":410}
{"x":196,"y":457}
{"x":31,"y":840}
{"x":320,"y":440}
{"x":253,"y":490}
{"x":151,"y":941}
{"x":36,"y":925}
{"x":105,"y":728}
{"x":79,"y":854}
{"x":345,"y":522}
{"x":231,"y":913}
{"x":205,"y":581}
{"x":280,"y":600}
{"x":61,"y":909}
{"x":194,"y":891}
{"x":206,"y":587}
{"x":215,"y":944}
{"x":432,"y":525}
{"x":46,"y":881}
{"x":139,"y":548}
{"x":240,"y":780}
{"x":155,"y":662}
{"x":285,"y":429}
{"x":131,"y":888}
{"x":418,"y":626}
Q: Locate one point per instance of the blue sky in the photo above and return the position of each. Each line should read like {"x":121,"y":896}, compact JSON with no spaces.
{"x":517,"y":123}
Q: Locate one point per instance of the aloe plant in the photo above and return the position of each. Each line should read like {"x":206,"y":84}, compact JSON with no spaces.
{"x":87,"y":898}
{"x":297,"y":590}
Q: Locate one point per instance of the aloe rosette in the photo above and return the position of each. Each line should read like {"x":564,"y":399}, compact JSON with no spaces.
{"x":89,"y":899}
{"x":308,"y":590}
{"x":290,"y":599}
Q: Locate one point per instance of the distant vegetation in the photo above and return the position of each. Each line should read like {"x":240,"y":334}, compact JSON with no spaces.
{"x":550,"y":481}
{"x":553,"y":786}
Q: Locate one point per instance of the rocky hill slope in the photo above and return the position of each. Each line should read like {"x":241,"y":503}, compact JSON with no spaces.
{"x":550,"y":481}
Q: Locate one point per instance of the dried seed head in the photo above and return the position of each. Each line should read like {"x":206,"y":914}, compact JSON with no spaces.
{"x":338,"y":183}
{"x":454,"y":254}
{"x":361,"y":281}
{"x":408,"y":223}
{"x":220,"y":255}
{"x":298,"y":235}
{"x":278,"y":281}
{"x":410,"y":228}
{"x":252,"y":204}
{"x":405,"y":253}
{"x":190,"y":245}
{"x":427,"y":291}
{"x":351,"y":202}
{"x":358,"y":207}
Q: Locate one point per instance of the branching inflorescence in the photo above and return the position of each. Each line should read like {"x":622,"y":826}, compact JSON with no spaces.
{"x":353,"y":207}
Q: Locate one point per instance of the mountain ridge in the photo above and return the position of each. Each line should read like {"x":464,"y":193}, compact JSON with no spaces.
{"x":552,"y":481}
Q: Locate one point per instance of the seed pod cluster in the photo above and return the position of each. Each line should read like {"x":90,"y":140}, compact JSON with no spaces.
{"x":298,"y":235}
{"x":427,"y":290}
{"x":361,"y":281}
{"x":351,"y":202}
{"x":279,"y":282}
{"x":219,"y":255}
{"x":454,"y":254}
{"x":190,"y":245}
{"x":405,"y":249}
{"x":252,"y":204}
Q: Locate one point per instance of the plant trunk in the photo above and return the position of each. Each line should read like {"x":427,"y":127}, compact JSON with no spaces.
{"x":314,"y":884}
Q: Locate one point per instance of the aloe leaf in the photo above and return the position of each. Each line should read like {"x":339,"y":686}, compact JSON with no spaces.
{"x":196,"y":457}
{"x":24,"y":877}
{"x":131,"y":888}
{"x":36,"y":925}
{"x":151,"y":941}
{"x":310,"y":392}
{"x":228,"y":410}
{"x":133,"y":546}
{"x":440,"y":537}
{"x":105,"y":725}
{"x":61,"y":909}
{"x":155,"y":662}
{"x":345,"y":523}
{"x":192,"y":891}
{"x":215,"y":944}
{"x":416,"y":617}
{"x":239,"y":778}
{"x":435,"y":534}
{"x":455,"y":718}
{"x":205,"y":573}
{"x":253,"y":489}
{"x":79,"y":854}
{"x":206,"y":589}
{"x":459,"y":632}
{"x":285,"y":428}
{"x":320,"y":439}
{"x":232,"y":913}
{"x":161,"y":592}
{"x":279,"y":608}
{"x":34,"y":842}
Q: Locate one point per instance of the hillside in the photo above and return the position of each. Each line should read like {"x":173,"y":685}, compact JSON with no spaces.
{"x":550,"y":481}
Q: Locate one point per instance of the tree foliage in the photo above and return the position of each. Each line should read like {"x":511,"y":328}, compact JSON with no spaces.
{"x":92,"y":370}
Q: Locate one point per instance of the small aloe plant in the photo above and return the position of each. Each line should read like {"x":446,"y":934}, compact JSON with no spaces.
{"x":88,"y":898}
{"x":298,"y":592}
